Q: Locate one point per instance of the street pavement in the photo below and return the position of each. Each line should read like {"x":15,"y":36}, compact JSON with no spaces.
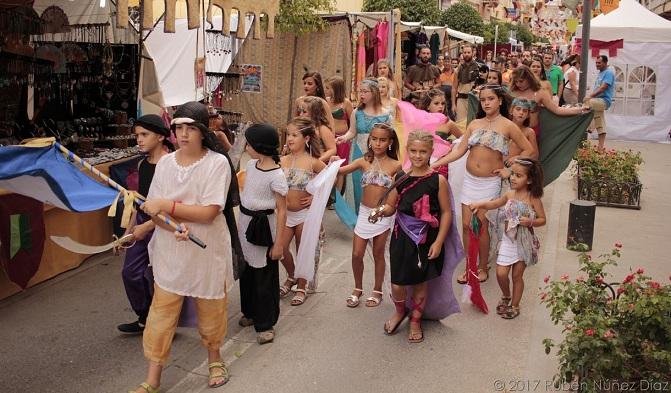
{"x":61,"y":336}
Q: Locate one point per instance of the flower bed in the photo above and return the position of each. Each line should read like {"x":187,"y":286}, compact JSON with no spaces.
{"x":609,"y":178}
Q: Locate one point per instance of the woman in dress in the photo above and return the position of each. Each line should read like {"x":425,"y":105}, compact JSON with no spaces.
{"x":341,"y":110}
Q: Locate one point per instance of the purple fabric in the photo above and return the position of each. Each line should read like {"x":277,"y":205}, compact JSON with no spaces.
{"x":138,"y":280}
{"x":441,"y":301}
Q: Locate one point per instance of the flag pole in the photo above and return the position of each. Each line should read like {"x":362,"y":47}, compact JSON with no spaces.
{"x":72,"y":157}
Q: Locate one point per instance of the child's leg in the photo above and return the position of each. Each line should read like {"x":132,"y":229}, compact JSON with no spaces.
{"x":379,"y":248}
{"x":288,"y":263}
{"x":502,"y":273}
{"x":518,"y":282}
{"x":266,"y":303}
{"x":483,"y":273}
{"x":299,"y":297}
{"x":419,"y":294}
{"x":398,"y":295}
{"x":212,"y":326}
{"x":247,"y":292}
{"x":358,"y":252}
{"x":466,"y":215}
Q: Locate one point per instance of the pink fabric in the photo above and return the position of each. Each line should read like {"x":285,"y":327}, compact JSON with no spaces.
{"x":342,"y":150}
{"x":361,"y":59}
{"x":421,"y":209}
{"x":417,"y":119}
{"x":382,"y":39}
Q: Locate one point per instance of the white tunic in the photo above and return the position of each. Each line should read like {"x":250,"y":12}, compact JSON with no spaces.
{"x":182,"y":267}
{"x":259,"y":194}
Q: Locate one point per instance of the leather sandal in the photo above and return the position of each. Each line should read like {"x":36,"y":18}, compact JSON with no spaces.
{"x":511,"y":313}
{"x":401,"y":310}
{"x":373,"y":301}
{"x":217,"y":366}
{"x":353,"y":300}
{"x":147,"y":387}
{"x":285,"y":289}
{"x":486,"y":274}
{"x":462,"y":279}
{"x":299,"y":299}
{"x":503,"y":305}
{"x":416,"y":337}
{"x":265,"y":337}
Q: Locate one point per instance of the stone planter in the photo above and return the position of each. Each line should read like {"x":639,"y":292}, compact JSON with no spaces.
{"x":606,"y":192}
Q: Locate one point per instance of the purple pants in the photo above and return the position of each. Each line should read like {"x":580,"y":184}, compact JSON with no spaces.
{"x":138,"y":280}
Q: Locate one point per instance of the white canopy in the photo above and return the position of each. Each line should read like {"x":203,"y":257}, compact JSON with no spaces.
{"x":412,"y":26}
{"x":630,"y":21}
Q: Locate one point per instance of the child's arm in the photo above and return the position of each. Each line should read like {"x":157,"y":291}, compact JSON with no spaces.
{"x":520,"y":140}
{"x":347,"y":169}
{"x":181,"y":212}
{"x":539,"y":221}
{"x":455,"y":154}
{"x":387,"y":209}
{"x":281,"y":218}
{"x":489,"y":205}
{"x":328,"y":138}
{"x":317,"y":165}
{"x":445,"y":218}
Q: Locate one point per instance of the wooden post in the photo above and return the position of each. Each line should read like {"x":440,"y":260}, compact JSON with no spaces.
{"x":580,"y":224}
{"x":398,"y":69}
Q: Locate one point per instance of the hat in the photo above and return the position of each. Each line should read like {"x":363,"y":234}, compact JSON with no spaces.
{"x":193,"y":113}
{"x":263,"y":138}
{"x":153,"y":123}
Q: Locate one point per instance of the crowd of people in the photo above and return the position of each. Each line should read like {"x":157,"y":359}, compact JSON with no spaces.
{"x":402,"y":194}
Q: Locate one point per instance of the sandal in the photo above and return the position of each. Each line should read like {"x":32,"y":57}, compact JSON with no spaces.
{"x":374,"y":301}
{"x":297,"y":300}
{"x":511,"y":312}
{"x":462,"y":279}
{"x":485,"y":272}
{"x":353,"y":300}
{"x":224,"y":374}
{"x":503,"y":305}
{"x":244,"y":321}
{"x":416,"y":337}
{"x":147,"y":387}
{"x":400,"y":309}
{"x":265,"y":337}
{"x":285,"y":289}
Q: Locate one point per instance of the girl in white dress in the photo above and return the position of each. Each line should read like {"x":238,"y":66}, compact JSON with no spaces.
{"x":193,"y":185}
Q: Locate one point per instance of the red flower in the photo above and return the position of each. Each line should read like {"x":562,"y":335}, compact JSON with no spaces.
{"x":654,"y":285}
{"x":599,"y":280}
{"x":620,"y":290}
{"x":618,"y":245}
{"x":640,"y":270}
{"x":628,"y":279}
{"x":589,"y":332}
{"x":564,"y":277}
{"x":547,"y":278}
{"x":580,"y":279}
{"x":608,"y":334}
{"x":543,"y":295}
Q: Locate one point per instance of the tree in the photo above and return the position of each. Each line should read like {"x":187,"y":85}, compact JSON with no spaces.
{"x":463,"y":17}
{"x":300,"y":16}
{"x":425,"y":11}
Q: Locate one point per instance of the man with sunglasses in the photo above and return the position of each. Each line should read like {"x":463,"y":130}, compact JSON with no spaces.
{"x":467,"y":74}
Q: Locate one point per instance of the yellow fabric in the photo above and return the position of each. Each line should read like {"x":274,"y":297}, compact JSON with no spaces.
{"x":38,"y":142}
{"x":128,"y":206}
{"x":163,"y":317}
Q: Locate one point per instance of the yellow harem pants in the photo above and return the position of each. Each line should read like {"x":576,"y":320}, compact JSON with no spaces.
{"x":164,"y":315}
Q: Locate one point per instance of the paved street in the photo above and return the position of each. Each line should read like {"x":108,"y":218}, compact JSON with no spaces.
{"x":61,"y":335}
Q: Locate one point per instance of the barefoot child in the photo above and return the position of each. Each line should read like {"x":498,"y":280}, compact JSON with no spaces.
{"x":260,"y":231}
{"x":519,"y":247}
{"x":193,"y":185}
{"x":379,"y":166}
{"x":424,"y":221}
{"x":300,"y":166}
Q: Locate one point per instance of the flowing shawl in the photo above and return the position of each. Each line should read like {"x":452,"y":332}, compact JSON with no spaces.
{"x":472,"y":289}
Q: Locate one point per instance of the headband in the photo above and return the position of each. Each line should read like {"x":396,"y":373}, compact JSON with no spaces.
{"x":522,"y":102}
{"x":370,"y":82}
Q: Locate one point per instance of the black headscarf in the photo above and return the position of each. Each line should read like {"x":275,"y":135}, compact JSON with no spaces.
{"x":264,"y":139}
{"x":155,"y":124}
{"x":196,"y":114}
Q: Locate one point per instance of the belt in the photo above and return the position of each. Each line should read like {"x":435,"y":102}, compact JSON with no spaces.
{"x":258,"y":232}
{"x":256,"y":213}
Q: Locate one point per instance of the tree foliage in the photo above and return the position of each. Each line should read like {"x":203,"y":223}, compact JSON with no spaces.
{"x":463,"y":17}
{"x":522,"y":33}
{"x":300,"y":16}
{"x":425,"y":11}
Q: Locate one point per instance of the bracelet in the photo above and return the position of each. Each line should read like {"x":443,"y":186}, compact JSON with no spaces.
{"x":172,"y":211}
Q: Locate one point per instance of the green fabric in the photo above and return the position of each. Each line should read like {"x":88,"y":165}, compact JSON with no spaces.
{"x":559,"y":139}
{"x":555,"y":77}
{"x":19,"y":234}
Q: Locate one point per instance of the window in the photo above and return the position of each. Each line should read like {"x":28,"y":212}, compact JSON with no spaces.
{"x":635,"y":87}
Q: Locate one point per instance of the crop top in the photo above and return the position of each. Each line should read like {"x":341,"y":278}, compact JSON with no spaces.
{"x":491,"y":139}
{"x":376,"y":176}
{"x":297,"y":178}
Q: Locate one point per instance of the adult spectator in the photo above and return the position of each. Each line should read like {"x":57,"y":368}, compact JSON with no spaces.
{"x":514,"y":59}
{"x":571,"y":80}
{"x":467,"y":74}
{"x":526,"y":56}
{"x":423,"y":75}
{"x":554,"y":74}
{"x":601,"y":97}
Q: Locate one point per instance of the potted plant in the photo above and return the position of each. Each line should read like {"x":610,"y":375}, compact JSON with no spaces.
{"x":616,"y":336}
{"x":609,"y":177}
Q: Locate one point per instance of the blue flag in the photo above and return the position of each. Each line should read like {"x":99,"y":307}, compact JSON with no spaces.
{"x":44,"y":174}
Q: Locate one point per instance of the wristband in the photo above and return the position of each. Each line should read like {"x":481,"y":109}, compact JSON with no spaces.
{"x":172,"y":211}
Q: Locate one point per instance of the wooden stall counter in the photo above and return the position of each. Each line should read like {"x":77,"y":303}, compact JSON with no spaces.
{"x":92,"y":228}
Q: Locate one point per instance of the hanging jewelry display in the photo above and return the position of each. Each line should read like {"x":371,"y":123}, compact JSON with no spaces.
{"x":108,"y":59}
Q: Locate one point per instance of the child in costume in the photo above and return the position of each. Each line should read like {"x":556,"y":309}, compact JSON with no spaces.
{"x":522,"y":210}
{"x":379,"y":166}
{"x":260,"y":230}
{"x":152,"y":139}
{"x":300,"y":166}
{"x":194,"y":185}
{"x":425,"y":245}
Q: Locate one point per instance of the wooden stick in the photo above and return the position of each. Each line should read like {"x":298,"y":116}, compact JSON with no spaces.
{"x":167,"y":219}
